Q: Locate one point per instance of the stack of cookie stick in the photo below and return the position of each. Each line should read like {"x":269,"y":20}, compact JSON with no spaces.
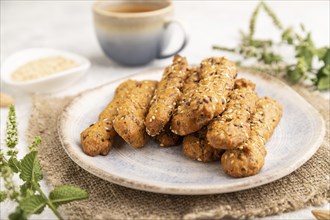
{"x":201,"y":103}
{"x":248,"y":158}
{"x":167,"y":95}
{"x":129,"y":123}
{"x":98,"y":138}
{"x":124,"y":115}
{"x":167,"y":138}
{"x":232,"y":127}
{"x":217,"y":116}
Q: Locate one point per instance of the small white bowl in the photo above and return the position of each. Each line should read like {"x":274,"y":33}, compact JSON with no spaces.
{"x":45,"y":84}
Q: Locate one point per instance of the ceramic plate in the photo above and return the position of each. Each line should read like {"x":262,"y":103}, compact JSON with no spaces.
{"x":166,"y":170}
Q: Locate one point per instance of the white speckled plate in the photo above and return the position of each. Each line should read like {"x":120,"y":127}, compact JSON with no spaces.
{"x":167,"y":170}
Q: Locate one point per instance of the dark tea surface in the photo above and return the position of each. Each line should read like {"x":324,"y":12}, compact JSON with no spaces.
{"x":133,"y":8}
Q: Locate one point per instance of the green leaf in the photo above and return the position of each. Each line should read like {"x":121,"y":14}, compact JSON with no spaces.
{"x":324,"y":71}
{"x":17,"y":215}
{"x":326,"y":57}
{"x":323,"y":83}
{"x":287,"y":36}
{"x":306,"y":50}
{"x":65,"y":194}
{"x":320,"y":52}
{"x":14,"y":164}
{"x":3,"y":196}
{"x":270,"y":57}
{"x":30,"y":166}
{"x":34,"y":204}
{"x":305,"y":53}
{"x":294,"y":75}
{"x":298,"y":71}
{"x":27,"y":189}
{"x":36,"y":142}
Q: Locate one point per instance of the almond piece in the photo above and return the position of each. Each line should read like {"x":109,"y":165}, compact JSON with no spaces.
{"x":6,"y":100}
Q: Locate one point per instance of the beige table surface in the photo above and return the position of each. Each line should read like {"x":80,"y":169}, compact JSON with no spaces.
{"x":68,"y":25}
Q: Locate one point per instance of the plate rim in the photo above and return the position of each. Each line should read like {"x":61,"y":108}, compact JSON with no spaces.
{"x":186,"y":190}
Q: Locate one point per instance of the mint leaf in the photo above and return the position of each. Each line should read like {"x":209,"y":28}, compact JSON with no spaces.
{"x":298,"y":71}
{"x":306,"y":50}
{"x":27,"y":189}
{"x":323,"y":75}
{"x":65,"y":194}
{"x":3,"y":196}
{"x":320,"y":52}
{"x":31,"y":170}
{"x":14,"y":164}
{"x":17,"y":215}
{"x":270,"y":57}
{"x":326,"y":57}
{"x":324,"y":71}
{"x":323,"y":83}
{"x":294,"y":75}
{"x":34,"y":204}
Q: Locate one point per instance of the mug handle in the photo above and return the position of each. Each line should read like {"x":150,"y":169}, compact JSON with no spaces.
{"x":184,"y":43}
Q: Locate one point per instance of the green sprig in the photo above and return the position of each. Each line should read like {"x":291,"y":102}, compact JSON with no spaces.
{"x":305,"y":51}
{"x":11,"y":132}
{"x":30,"y":197}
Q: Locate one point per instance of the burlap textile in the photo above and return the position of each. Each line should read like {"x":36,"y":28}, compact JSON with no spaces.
{"x":309,"y":185}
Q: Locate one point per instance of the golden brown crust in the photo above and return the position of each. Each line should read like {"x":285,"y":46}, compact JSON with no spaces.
{"x":201,"y":103}
{"x":167,"y":138}
{"x":99,"y":137}
{"x":249,"y":158}
{"x":232,"y":127}
{"x":196,"y":147}
{"x":192,"y":79}
{"x":129,"y":123}
{"x":168,"y":93}
{"x":244,"y":83}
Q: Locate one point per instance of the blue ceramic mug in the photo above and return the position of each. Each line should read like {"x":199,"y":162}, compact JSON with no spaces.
{"x":135,"y":32}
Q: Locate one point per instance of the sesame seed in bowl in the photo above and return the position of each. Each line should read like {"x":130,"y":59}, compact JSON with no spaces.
{"x":43,"y":70}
